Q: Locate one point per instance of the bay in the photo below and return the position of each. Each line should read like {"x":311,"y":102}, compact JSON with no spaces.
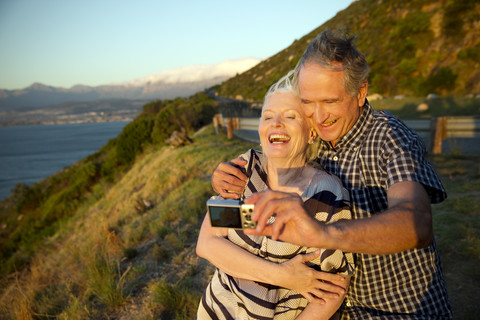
{"x":29,"y":154}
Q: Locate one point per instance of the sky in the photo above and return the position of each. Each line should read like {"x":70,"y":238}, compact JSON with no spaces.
{"x":63,"y":43}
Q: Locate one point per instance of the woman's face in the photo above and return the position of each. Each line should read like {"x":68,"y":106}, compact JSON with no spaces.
{"x":284,"y":131}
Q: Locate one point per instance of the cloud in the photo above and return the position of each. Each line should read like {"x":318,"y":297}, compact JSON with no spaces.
{"x":195,"y":73}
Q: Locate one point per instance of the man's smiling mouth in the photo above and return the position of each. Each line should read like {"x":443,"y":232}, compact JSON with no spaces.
{"x":326,"y":124}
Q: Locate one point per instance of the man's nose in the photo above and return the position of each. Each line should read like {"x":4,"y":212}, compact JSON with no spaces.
{"x":320,"y":115}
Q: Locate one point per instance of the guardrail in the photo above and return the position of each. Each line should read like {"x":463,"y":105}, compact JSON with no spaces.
{"x":433,"y":131}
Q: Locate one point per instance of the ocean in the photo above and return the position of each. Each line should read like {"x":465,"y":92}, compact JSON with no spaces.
{"x":29,"y":154}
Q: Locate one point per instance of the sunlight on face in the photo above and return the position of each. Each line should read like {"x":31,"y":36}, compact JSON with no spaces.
{"x":284,"y":130}
{"x":324,"y":98}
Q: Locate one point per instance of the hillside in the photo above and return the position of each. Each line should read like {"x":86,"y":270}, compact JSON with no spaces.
{"x":413,"y":48}
{"x":118,"y":251}
{"x":113,"y":236}
{"x":127,"y":252}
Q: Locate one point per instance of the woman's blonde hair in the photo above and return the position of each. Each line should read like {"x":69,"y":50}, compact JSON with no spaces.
{"x":284,"y":84}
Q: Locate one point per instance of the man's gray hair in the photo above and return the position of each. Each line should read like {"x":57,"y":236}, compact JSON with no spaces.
{"x":337,"y":51}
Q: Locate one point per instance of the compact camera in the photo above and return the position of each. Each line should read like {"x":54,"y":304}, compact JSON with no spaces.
{"x":229,"y":213}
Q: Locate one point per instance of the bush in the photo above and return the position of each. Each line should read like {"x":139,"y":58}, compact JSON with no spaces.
{"x":167,"y":121}
{"x":154,"y":107}
{"x":454,"y":16}
{"x":176,"y":302}
{"x":132,"y":139}
{"x":442,"y":80}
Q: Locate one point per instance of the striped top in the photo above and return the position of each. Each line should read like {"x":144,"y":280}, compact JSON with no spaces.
{"x":227,"y":297}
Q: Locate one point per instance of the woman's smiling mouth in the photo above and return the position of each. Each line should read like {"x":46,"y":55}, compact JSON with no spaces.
{"x":278,"y":138}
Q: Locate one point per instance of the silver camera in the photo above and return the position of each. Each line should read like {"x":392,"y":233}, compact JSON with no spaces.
{"x":229,"y":213}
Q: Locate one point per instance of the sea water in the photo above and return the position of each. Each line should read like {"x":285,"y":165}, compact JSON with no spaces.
{"x":29,"y":154}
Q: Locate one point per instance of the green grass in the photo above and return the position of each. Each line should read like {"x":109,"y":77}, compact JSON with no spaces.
{"x":457,"y":231}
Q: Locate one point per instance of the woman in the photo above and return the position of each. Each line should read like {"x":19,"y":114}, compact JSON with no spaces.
{"x":254,"y":279}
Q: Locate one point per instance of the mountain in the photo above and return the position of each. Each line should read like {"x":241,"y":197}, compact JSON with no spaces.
{"x":168,"y":84}
{"x":413,"y":48}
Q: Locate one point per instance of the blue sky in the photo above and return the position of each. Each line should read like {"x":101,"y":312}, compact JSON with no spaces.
{"x":92,"y":42}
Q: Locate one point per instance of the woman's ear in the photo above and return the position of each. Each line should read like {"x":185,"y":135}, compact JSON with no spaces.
{"x":313,"y":136}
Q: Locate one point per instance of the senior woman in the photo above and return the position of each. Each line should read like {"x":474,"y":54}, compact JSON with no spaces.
{"x":255,"y":278}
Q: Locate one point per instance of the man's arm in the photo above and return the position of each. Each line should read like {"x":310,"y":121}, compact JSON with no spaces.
{"x":293,"y":274}
{"x":406,"y":224}
{"x":228,"y":180}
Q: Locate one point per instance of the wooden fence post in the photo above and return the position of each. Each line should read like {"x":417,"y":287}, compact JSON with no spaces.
{"x":438,"y":128}
{"x":217,"y":122}
{"x":232,"y":124}
{"x":230,"y":128}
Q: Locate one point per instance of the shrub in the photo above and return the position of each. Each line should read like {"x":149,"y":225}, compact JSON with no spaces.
{"x":167,"y":121}
{"x":176,"y":302}
{"x":454,"y":16}
{"x":105,"y":281}
{"x":443,"y":79}
{"x":133,"y":137}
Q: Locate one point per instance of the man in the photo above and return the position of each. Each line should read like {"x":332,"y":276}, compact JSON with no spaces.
{"x":382,"y":164}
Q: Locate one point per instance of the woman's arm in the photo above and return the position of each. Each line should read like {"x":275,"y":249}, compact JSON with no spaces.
{"x":324,"y":311}
{"x":293,"y":274}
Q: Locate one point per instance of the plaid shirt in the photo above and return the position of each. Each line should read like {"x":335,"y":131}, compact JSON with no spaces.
{"x":377,"y":152}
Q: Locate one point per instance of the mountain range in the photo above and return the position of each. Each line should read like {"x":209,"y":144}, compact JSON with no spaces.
{"x":168,"y":84}
{"x":43,"y":104}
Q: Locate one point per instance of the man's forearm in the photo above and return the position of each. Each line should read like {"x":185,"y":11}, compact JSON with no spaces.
{"x":392,"y":231}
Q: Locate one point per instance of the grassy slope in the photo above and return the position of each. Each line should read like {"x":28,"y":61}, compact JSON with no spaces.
{"x":114,"y":260}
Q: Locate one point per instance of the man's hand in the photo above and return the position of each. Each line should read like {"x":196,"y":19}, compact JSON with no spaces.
{"x":228,"y":180}
{"x":292,"y":222}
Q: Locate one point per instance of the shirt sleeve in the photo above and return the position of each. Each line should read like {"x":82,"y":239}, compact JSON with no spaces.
{"x":405,"y":160}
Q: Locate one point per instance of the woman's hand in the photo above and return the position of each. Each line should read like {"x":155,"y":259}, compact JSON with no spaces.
{"x":315,"y":286}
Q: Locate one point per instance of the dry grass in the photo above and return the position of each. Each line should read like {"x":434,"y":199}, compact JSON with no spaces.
{"x":115,"y":261}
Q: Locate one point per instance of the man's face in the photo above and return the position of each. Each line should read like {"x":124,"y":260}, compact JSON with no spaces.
{"x":324,"y":98}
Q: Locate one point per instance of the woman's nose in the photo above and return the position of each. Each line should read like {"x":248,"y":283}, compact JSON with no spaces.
{"x":278,"y":121}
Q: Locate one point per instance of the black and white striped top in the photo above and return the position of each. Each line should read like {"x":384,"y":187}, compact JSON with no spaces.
{"x":227,"y":297}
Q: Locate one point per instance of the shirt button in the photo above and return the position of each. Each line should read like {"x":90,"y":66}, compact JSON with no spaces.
{"x":335,"y":158}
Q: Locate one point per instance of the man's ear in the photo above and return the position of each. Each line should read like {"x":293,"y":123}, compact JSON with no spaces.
{"x":362,"y":94}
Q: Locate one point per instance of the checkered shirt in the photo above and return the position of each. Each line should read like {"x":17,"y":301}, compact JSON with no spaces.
{"x":379,"y":151}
